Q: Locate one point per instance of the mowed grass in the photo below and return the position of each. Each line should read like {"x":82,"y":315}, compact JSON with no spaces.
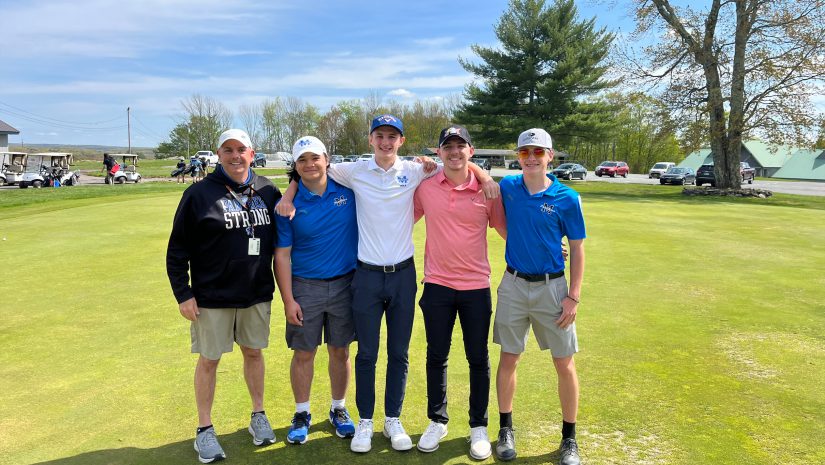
{"x":700,"y":331}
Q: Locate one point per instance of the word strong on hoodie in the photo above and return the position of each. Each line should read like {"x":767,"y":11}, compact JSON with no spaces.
{"x":236,"y":216}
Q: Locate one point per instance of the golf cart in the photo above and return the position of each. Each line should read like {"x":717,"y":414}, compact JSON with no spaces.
{"x":127,"y":170}
{"x":48,"y":169}
{"x":12,"y":165}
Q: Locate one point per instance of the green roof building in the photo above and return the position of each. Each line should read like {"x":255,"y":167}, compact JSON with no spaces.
{"x":804,"y":164}
{"x":766,"y":159}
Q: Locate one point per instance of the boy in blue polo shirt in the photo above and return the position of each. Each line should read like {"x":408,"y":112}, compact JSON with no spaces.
{"x":533,"y":291}
{"x":315,"y":261}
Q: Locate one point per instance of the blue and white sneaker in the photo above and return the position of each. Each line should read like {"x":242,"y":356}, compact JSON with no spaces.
{"x":299,"y":430}
{"x":340,"y":419}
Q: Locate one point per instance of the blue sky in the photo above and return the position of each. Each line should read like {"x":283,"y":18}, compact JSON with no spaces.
{"x":70,"y":69}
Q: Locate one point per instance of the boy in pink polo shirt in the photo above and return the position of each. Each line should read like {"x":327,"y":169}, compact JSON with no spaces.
{"x":457,"y":283}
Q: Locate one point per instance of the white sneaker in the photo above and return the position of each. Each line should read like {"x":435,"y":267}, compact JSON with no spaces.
{"x":362,"y":440}
{"x":479,"y":443}
{"x":395,"y":432}
{"x":431,"y":437}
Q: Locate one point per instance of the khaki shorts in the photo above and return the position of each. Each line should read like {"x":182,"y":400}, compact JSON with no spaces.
{"x":522,"y":304}
{"x":216,"y":329}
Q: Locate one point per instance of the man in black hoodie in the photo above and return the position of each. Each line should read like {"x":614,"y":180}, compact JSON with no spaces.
{"x":222,"y":240}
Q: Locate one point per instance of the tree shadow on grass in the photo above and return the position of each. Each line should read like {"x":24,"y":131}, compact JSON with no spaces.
{"x":323,"y":447}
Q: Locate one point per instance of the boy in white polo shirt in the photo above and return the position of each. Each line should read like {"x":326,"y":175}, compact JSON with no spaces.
{"x":385,"y":277}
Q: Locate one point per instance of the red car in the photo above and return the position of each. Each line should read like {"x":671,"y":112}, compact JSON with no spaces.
{"x":612,"y":169}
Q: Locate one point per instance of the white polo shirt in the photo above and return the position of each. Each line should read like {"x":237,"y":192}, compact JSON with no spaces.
{"x":384,"y":206}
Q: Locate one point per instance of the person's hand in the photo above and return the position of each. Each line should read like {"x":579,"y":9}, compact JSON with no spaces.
{"x":568,"y":312}
{"x":285,"y":208}
{"x":294,"y":314}
{"x":491,"y":189}
{"x":189,"y":309}
{"x":429,"y":164}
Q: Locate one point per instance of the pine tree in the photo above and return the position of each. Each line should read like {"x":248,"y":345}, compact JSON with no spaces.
{"x":547,"y":73}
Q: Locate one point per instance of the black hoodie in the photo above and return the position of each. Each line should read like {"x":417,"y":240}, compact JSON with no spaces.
{"x":210,"y":240}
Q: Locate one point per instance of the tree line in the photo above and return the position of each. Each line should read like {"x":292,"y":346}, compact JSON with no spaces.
{"x":690,"y":87}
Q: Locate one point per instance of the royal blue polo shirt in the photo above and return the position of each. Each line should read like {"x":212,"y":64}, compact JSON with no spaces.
{"x":323,"y":234}
{"x":536,"y":224}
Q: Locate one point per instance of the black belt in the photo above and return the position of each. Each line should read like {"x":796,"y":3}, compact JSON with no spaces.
{"x":533,"y":278}
{"x":337,"y":277}
{"x":387,"y":268}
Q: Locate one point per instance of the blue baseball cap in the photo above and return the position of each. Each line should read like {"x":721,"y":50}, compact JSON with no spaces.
{"x":387,"y":120}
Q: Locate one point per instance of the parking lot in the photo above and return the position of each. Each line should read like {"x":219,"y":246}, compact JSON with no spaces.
{"x":785,"y":187}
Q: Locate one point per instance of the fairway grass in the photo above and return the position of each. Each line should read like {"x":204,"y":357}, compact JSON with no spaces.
{"x":700,"y":328}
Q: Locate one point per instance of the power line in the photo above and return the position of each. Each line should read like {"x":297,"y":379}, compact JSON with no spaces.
{"x":57,"y":124}
{"x":35,"y":115}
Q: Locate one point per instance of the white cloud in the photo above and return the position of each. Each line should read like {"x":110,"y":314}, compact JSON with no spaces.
{"x":403,"y":93}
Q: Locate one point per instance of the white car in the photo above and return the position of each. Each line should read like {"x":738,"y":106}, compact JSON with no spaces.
{"x":659,"y":169}
{"x":208,"y":156}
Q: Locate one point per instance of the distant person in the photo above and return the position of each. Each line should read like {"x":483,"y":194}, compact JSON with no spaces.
{"x":196,"y":169}
{"x":533,"y":291}
{"x":204,"y":167}
{"x":457,"y":284}
{"x":315,"y":260}
{"x":109,"y":164}
{"x":222,"y":241}
{"x":181,"y":169}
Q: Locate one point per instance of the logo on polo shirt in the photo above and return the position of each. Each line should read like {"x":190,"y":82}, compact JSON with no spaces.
{"x":548,"y":208}
{"x":403,"y":179}
{"x":340,"y":201}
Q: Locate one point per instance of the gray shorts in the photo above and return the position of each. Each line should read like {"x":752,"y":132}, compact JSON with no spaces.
{"x":327,"y":310}
{"x":217,"y":328}
{"x":522,"y":304}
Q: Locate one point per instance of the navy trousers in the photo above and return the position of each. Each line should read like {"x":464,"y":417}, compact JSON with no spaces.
{"x":374,"y":294}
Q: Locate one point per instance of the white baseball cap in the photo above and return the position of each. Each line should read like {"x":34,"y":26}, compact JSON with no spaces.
{"x":236,"y":134}
{"x":308,"y":144}
{"x":535,"y":136}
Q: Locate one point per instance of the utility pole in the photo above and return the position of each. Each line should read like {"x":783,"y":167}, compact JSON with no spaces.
{"x":129,"y":128}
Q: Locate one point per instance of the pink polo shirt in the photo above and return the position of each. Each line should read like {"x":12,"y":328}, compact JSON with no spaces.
{"x":455,"y":254}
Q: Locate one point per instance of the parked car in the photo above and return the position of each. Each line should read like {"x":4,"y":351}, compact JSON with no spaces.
{"x":514,"y":165}
{"x":336,"y":159}
{"x":570,"y":171}
{"x":366,"y":156}
{"x":407,"y":158}
{"x":704,"y":175}
{"x":208,"y":155}
{"x":350,"y":159}
{"x":612,"y":169}
{"x":260,"y":159}
{"x":13,"y":165}
{"x":482,"y":163}
{"x":746,"y":172}
{"x":659,"y":169}
{"x":676,"y":175}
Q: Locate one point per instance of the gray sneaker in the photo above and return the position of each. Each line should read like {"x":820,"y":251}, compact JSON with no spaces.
{"x":261,"y":430}
{"x":207,"y":447}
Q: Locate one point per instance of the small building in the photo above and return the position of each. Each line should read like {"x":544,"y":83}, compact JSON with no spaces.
{"x":5,"y":131}
{"x":804,"y":164}
{"x":766,"y":159}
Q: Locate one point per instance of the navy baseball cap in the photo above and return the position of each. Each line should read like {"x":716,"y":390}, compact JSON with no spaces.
{"x":454,"y":131}
{"x":387,"y":120}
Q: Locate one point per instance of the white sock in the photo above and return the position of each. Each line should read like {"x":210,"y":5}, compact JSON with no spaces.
{"x":337,"y":403}
{"x":386,"y":420}
{"x":301,"y":407}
